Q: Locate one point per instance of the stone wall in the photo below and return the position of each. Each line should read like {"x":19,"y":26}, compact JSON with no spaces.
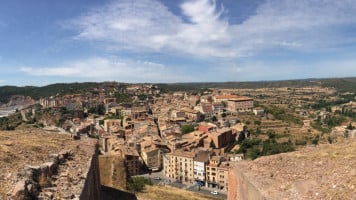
{"x":33,"y":178}
{"x":71,"y":174}
{"x":92,"y":187}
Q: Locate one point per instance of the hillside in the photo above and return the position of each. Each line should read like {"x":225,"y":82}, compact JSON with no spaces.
{"x":341,"y":84}
{"x":6,"y":92}
{"x":322,"y":172}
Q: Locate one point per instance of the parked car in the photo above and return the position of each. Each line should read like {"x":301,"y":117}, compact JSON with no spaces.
{"x":214,"y":192}
{"x":156,"y":178}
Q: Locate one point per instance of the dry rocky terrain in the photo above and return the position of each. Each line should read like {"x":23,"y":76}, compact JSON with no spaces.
{"x":327,"y":171}
{"x":27,"y":150}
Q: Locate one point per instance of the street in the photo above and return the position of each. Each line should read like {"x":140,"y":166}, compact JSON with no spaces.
{"x":158,"y":178}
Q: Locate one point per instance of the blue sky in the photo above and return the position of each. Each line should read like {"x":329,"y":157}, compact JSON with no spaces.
{"x":44,"y":42}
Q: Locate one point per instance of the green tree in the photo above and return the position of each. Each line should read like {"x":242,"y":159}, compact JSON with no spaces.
{"x":258,"y":131}
{"x":350,"y":127}
{"x":271,"y":134}
{"x":315,"y":141}
{"x":257,"y":122}
{"x":137,"y":184}
{"x":187,"y":128}
{"x":254,"y":153}
{"x":224,"y":103}
{"x":214,"y":119}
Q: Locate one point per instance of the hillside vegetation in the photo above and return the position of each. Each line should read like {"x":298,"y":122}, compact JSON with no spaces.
{"x":50,"y":90}
{"x":341,"y":84}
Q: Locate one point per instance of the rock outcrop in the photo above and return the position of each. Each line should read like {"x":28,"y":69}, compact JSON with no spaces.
{"x":322,"y":172}
{"x":34,"y":178}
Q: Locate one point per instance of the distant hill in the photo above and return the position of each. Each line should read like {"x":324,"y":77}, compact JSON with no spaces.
{"x":46,"y":91}
{"x":341,"y":84}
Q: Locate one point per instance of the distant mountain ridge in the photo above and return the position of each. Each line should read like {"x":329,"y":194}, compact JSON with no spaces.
{"x":341,"y":84}
{"x":6,"y":92}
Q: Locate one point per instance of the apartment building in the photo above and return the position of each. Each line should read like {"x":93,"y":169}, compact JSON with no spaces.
{"x":217,"y":172}
{"x":151,"y":156}
{"x":200,"y":162}
{"x":132,"y":161}
{"x":193,"y":115}
{"x":221,"y":98}
{"x":179,"y":166}
{"x":109,"y":123}
{"x":223,"y":175}
{"x":240,"y":104}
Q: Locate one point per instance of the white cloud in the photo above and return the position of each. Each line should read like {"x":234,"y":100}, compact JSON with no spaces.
{"x":301,"y":25}
{"x":98,"y":69}
{"x":149,"y":26}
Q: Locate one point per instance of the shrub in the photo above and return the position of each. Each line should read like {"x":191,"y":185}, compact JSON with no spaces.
{"x":187,"y":128}
{"x":137,"y":184}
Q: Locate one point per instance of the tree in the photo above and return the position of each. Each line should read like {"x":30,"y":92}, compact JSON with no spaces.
{"x":271,"y":134}
{"x":350,"y":127}
{"x":257,"y":122}
{"x":214,"y":119}
{"x":224,"y":103}
{"x":258,"y":131}
{"x":256,"y":104}
{"x":137,"y":184}
{"x":315,"y":141}
{"x":187,"y":128}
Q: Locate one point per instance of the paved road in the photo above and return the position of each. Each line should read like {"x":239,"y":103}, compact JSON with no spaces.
{"x":159,"y":179}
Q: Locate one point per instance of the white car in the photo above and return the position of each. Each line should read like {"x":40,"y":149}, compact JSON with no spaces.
{"x":214,"y":192}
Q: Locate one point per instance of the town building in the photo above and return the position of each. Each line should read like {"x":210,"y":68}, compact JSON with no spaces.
{"x":217,"y":173}
{"x":151,"y":156}
{"x":221,"y":137}
{"x":179,"y":166}
{"x":200,"y":162}
{"x":109,"y":123}
{"x":240,"y":104}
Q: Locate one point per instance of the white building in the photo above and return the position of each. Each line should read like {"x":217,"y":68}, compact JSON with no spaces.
{"x":200,"y":162}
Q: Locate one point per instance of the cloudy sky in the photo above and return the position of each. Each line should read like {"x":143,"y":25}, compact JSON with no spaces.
{"x":44,"y":42}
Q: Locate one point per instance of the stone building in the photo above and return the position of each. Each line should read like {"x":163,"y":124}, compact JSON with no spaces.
{"x":240,"y":104}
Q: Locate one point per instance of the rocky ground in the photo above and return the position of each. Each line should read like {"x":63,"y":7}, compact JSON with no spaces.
{"x":31,"y":148}
{"x":324,"y":172}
